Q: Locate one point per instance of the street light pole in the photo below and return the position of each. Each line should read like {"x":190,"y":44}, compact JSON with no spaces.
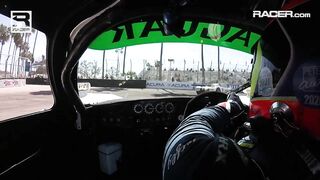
{"x":218,"y":64}
{"x":117,"y":70}
{"x":118,"y":51}
{"x":202,"y":61}
{"x":198,"y":72}
{"x":130,"y":69}
{"x":124,"y":62}
{"x":103,"y":56}
{"x":170,"y":63}
{"x":160,"y":65}
{"x":210,"y":71}
{"x":143,"y":70}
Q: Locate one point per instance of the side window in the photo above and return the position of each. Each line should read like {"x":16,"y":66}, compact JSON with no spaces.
{"x":24,"y":85}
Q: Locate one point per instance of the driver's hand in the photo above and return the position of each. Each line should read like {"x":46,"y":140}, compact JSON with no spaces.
{"x":236,"y":106}
{"x":237,"y":113}
{"x":233,"y":105}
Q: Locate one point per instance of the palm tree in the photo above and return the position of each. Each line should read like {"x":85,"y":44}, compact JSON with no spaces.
{"x":25,"y":53}
{"x":34,"y":46}
{"x":34,"y":43}
{"x":22,"y":46}
{"x":18,"y":40}
{"x":6,"y":64}
{"x":118,"y":51}
{"x":24,"y":50}
{"x":4,"y":37}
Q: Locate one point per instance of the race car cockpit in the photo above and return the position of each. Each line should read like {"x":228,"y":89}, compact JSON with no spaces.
{"x":141,"y":81}
{"x":124,"y":74}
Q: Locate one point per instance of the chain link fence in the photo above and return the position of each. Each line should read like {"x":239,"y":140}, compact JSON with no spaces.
{"x":20,"y":67}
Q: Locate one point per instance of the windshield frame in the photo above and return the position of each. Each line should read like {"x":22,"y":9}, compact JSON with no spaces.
{"x":101,"y":23}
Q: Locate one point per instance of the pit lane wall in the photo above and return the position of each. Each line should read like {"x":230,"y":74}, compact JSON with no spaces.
{"x":12,"y":83}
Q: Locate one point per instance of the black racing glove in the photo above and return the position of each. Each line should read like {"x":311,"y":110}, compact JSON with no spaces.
{"x":236,"y":111}
{"x":234,"y":105}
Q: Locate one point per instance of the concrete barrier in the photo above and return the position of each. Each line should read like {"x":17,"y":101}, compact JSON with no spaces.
{"x":115,"y":83}
{"x":37,"y":81}
{"x":95,"y":83}
{"x":12,"y":83}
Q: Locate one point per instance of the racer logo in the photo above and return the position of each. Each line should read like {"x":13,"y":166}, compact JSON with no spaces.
{"x":21,"y":21}
{"x":280,"y":14}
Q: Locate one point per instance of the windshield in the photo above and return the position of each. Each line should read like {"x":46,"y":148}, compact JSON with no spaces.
{"x":119,"y":66}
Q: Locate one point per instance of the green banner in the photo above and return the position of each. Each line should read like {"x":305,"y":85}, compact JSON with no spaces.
{"x":195,"y":32}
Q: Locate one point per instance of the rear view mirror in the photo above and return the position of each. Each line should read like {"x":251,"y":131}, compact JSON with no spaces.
{"x":172,"y":23}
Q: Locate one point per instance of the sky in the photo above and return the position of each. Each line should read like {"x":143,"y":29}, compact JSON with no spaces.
{"x":189,"y":52}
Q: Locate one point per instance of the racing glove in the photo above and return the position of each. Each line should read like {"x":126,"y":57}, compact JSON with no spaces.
{"x":235,"y":109}
{"x":233,"y":105}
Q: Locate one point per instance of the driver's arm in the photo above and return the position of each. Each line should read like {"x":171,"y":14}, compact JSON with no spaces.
{"x":198,"y":150}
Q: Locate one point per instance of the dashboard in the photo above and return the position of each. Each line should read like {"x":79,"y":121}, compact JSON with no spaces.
{"x":142,"y":127}
{"x":142,"y":114}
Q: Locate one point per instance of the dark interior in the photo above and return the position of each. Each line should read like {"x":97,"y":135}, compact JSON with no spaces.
{"x":47,"y":145}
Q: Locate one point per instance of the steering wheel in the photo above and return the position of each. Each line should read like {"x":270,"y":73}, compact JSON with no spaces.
{"x":202,"y":100}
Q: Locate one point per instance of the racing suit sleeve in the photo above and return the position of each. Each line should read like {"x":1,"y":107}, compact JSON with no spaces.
{"x":198,"y":150}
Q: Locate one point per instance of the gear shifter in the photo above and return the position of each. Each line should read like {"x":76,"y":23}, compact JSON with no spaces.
{"x":282,"y":117}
